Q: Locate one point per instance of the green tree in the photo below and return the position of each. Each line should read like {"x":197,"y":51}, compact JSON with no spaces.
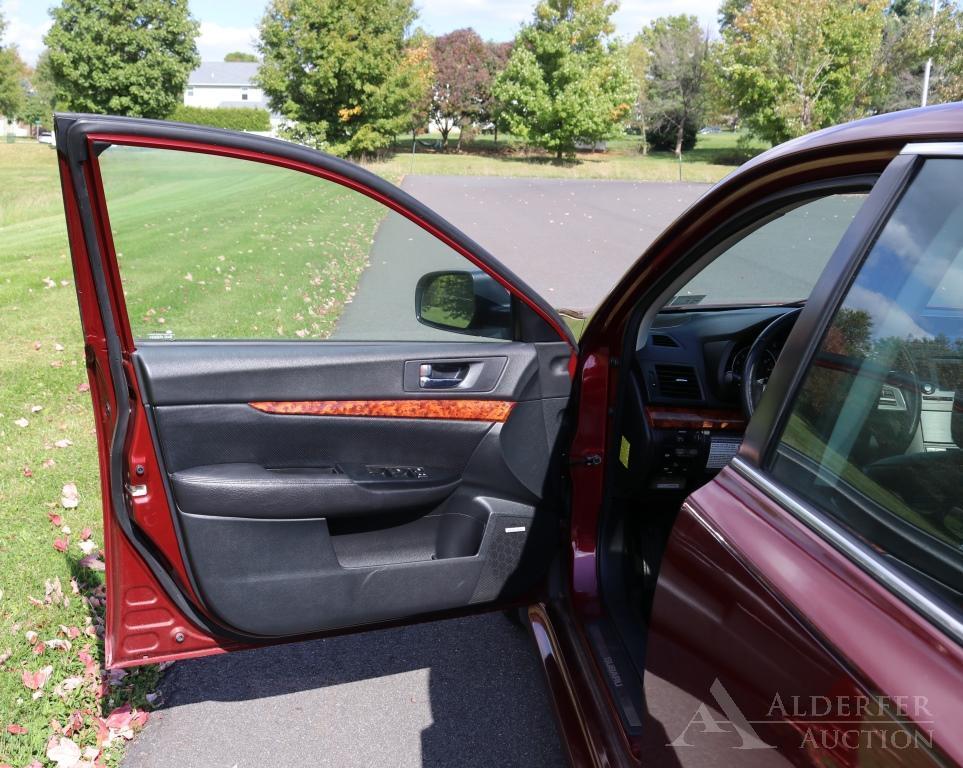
{"x":240,"y":56}
{"x":490,"y":110}
{"x":567,"y":79}
{"x":792,"y":66}
{"x":677,"y":49}
{"x":11,"y":73}
{"x":334,"y":69}
{"x":122,"y":58}
{"x":637,"y":56}
{"x":420,"y":66}
{"x":40,"y":99}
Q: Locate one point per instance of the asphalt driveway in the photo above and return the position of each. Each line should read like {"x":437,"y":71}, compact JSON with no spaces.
{"x":465,"y":692}
{"x":570,"y":240}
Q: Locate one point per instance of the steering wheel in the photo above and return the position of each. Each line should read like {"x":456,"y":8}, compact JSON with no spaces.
{"x":752,"y":385}
{"x":891,"y":428}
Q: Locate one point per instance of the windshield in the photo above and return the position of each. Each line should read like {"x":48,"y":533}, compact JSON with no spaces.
{"x":777,"y":262}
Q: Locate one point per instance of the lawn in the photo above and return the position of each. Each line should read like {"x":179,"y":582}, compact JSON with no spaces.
{"x":714,"y":156}
{"x":213,"y":247}
{"x":189,"y":242}
{"x":50,"y":605}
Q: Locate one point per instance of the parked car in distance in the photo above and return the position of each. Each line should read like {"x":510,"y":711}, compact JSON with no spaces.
{"x":46,"y":137}
{"x":731,"y":509}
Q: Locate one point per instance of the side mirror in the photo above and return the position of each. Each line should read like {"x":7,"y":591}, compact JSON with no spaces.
{"x":462,"y":301}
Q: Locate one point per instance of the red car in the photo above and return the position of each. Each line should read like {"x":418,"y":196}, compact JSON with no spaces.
{"x":733,"y":508}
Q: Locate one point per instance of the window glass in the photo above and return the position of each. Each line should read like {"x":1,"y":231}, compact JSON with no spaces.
{"x":876,"y":433}
{"x":778,"y":262}
{"x":211,"y":247}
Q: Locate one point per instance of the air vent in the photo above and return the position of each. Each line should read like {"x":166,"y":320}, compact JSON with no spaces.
{"x":661,"y":340}
{"x":678,"y":381}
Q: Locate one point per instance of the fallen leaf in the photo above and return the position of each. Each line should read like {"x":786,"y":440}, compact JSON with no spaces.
{"x":92,"y":562}
{"x":87,"y":547}
{"x":91,"y":668}
{"x":16,"y":729}
{"x":48,"y":463}
{"x":57,"y":644}
{"x":120,"y":717}
{"x":22,"y":422}
{"x":64,"y":752}
{"x":31,"y":636}
{"x":85,"y":534}
{"x":84,"y":387}
{"x":63,"y":443}
{"x":27,"y":472}
{"x":36,"y":680}
{"x":4,"y":656}
{"x":55,"y":519}
{"x":59,"y":347}
{"x":60,"y":545}
{"x":69,"y":496}
{"x":36,"y":408}
{"x":37,"y":345}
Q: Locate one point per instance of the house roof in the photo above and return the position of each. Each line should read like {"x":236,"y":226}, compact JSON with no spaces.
{"x":224,"y":73}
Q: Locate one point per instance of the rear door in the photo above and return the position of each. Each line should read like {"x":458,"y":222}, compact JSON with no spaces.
{"x":318,"y":405}
{"x":807,"y":609}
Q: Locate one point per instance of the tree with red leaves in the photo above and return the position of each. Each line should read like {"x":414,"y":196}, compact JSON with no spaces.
{"x":462,"y":81}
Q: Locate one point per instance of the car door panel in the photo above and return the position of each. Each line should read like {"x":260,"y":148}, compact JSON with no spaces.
{"x":357,"y":542}
{"x":261,"y":490}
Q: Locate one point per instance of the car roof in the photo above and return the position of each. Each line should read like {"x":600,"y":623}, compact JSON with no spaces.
{"x":942,"y":122}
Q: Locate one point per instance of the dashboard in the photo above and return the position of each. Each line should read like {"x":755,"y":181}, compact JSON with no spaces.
{"x":685,"y":418}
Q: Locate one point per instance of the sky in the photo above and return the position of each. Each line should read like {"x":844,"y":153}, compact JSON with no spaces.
{"x":233,"y":26}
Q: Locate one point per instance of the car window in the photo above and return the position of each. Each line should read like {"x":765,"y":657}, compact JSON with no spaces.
{"x":777,"y":262}
{"x":214,"y":247}
{"x":875,"y":435}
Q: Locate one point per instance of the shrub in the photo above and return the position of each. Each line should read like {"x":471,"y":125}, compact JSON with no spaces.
{"x":232,"y":118}
{"x":661,"y":134}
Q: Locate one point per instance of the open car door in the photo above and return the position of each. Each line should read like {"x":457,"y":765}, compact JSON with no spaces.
{"x":318,"y":405}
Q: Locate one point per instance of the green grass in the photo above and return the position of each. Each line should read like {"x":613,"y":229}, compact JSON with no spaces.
{"x":714,"y":156}
{"x":209,"y":247}
{"x":36,"y":317}
{"x":213,"y":232}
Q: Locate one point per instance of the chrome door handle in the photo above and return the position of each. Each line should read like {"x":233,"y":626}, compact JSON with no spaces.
{"x":429,"y":378}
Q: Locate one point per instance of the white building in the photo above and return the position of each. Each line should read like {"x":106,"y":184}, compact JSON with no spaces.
{"x":224,"y":84}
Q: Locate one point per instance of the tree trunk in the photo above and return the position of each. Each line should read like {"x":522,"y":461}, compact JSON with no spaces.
{"x":444,"y":135}
{"x":645,"y":140}
{"x":496,"y":133}
{"x":678,"y":138}
{"x":558,"y":155}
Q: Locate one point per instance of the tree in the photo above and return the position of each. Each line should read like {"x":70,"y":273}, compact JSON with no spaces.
{"x":496,"y":59}
{"x":637,"y":56}
{"x":11,"y":73}
{"x":333,"y":68}
{"x":678,"y":49}
{"x":122,"y":58}
{"x":462,"y":79}
{"x":240,"y":56}
{"x":567,"y":80}
{"x":792,"y":66}
{"x":40,"y":94}
{"x":418,"y":63}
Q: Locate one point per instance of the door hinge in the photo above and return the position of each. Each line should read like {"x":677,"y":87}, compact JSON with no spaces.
{"x":591,"y":460}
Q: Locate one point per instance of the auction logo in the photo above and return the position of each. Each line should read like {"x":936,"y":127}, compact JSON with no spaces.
{"x":822,"y":722}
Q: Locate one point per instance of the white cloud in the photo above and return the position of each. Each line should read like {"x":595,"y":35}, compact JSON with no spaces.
{"x":27,"y":36}
{"x":635,"y":14}
{"x":216,"y":40}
